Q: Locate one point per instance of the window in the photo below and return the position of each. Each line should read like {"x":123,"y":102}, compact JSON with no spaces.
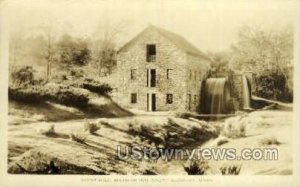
{"x":133,"y":74}
{"x":151,"y":53}
{"x":195,"y":75}
{"x":169,"y":73}
{"x":133,"y":98}
{"x":191,"y":74}
{"x":169,"y":99}
{"x":151,"y":78}
{"x":195,"y":99}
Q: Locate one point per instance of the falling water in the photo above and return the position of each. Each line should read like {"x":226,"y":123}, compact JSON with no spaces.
{"x":216,"y":95}
{"x":246,"y":93}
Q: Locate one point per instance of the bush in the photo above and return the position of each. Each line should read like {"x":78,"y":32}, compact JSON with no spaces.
{"x":234,"y":127}
{"x":93,"y":86}
{"x":184,"y":115}
{"x":47,"y":131}
{"x":231,"y":170}
{"x":194,"y":167}
{"x":269,"y":141}
{"x":134,"y":129}
{"x":273,"y":85}
{"x":80,"y":138}
{"x":22,"y":76}
{"x":76,"y":72}
{"x":91,"y":127}
{"x":51,"y":92}
{"x":222,"y":141}
{"x":102,"y":89}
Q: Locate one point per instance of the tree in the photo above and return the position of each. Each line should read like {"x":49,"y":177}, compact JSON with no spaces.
{"x":269,"y":54}
{"x":261,"y":50}
{"x":73,"y":51}
{"x":104,"y":49}
{"x":219,"y":63}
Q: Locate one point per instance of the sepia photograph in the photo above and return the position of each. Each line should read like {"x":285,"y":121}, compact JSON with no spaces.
{"x":168,"y":88}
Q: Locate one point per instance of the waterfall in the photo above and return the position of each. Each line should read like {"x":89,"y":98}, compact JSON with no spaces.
{"x":246,"y":93}
{"x":216,"y":95}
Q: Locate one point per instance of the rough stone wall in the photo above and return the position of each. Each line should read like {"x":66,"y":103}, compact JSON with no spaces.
{"x":236,"y":90}
{"x":168,"y":56}
{"x":196,"y":71}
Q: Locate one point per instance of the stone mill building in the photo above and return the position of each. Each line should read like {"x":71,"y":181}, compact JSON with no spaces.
{"x":159,"y":70}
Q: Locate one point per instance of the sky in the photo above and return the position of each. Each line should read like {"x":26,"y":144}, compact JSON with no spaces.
{"x":210,"y":25}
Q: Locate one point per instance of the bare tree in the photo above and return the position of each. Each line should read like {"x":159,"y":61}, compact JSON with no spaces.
{"x":49,"y":40}
{"x":104,"y":50}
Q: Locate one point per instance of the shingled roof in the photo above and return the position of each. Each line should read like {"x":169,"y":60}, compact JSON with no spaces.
{"x":178,"y":40}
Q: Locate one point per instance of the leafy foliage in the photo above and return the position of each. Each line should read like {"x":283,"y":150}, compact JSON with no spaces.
{"x":73,"y":51}
{"x":22,"y":76}
{"x":273,"y":86}
{"x":269,"y":55}
{"x":66,"y":95}
{"x":194,"y":167}
{"x":93,"y":86}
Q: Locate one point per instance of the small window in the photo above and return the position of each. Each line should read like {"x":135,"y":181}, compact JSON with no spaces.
{"x":195,"y":75}
{"x":195,"y":99}
{"x":151,"y":53}
{"x":169,"y":99}
{"x":169,"y":73}
{"x":133,"y":74}
{"x":133,"y":98}
{"x":191,"y":74}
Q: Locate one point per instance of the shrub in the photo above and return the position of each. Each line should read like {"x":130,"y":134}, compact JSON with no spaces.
{"x":231,"y":170}
{"x":222,"y":141}
{"x":91,"y":127}
{"x":234,"y":127}
{"x":134,"y":129}
{"x":184,"y":115}
{"x":93,"y":86}
{"x":194,"y":167}
{"x":51,"y":92}
{"x":273,"y":85}
{"x":48,"y":131}
{"x":22,"y":76}
{"x":269,"y":141}
{"x":80,"y":138}
{"x":76,"y":72}
{"x":102,"y":89}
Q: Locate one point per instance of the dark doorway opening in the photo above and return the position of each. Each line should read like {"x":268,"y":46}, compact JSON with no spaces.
{"x":153,"y":104}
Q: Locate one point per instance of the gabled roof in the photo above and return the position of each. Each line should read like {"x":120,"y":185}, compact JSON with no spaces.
{"x":178,"y":40}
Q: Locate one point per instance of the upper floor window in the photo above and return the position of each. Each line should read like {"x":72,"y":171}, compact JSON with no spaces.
{"x":151,"y":53}
{"x":133,"y":74}
{"x":169,"y":99}
{"x":169,"y":73}
{"x":191,"y":74}
{"x":133,"y":98}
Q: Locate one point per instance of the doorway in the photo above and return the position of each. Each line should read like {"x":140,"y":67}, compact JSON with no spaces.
{"x":151,"y":102}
